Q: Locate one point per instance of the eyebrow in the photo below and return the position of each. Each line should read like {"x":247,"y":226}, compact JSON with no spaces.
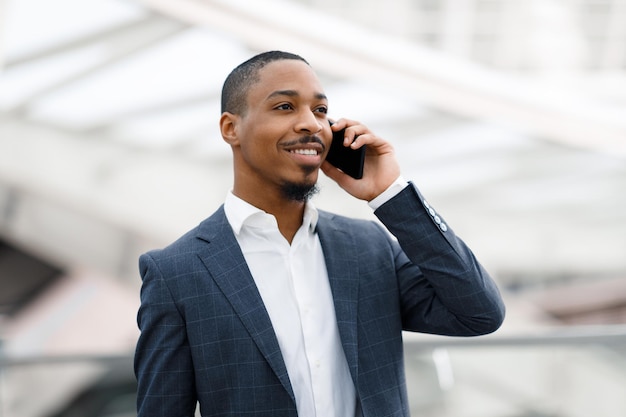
{"x":294,"y":93}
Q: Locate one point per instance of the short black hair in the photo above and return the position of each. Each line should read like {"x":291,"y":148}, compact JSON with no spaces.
{"x":235,"y":89}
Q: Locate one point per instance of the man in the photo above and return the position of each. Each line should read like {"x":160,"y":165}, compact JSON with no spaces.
{"x":272,"y":308}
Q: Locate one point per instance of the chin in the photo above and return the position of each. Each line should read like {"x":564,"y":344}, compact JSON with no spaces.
{"x":299,"y":191}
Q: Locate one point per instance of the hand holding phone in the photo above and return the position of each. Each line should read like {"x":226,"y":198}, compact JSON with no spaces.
{"x":349,"y":160}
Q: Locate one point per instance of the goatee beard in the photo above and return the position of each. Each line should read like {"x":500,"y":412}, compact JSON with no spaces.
{"x":299,"y":192}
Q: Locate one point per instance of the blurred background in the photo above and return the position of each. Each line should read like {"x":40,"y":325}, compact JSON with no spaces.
{"x":510,"y":115}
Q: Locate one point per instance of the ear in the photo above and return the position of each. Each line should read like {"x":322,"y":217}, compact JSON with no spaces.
{"x":228,"y":128}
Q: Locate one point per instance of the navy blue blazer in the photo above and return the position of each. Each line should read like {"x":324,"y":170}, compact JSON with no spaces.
{"x":206,"y":336}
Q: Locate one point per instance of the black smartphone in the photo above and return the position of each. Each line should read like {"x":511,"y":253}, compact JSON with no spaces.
{"x":346,"y":159}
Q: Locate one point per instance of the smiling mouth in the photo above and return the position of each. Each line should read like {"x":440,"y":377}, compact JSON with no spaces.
{"x":305,"y":146}
{"x":311,"y":152}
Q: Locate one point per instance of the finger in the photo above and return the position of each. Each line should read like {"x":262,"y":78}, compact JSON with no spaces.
{"x":354,"y":133}
{"x":338,"y":124}
{"x":362,"y":139}
{"x":349,"y":125}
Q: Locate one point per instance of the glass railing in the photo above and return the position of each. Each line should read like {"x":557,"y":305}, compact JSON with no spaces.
{"x":67,"y":386}
{"x":561,"y":372}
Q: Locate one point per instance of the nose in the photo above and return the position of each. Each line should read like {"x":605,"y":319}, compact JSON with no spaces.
{"x":309,"y":122}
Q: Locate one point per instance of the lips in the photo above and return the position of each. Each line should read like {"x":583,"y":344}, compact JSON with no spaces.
{"x":305,"y":146}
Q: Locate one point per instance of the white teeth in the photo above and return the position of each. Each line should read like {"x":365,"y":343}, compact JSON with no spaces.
{"x":305,"y":151}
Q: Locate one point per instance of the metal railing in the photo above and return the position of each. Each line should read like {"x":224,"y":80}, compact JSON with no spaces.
{"x":606,"y":335}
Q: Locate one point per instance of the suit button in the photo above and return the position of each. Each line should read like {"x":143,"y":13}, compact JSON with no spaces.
{"x":443,"y":227}
{"x":431,"y":211}
{"x":426,"y":204}
{"x":437,"y":220}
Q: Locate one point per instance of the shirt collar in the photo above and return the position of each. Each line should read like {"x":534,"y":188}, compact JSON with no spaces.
{"x":240,"y":213}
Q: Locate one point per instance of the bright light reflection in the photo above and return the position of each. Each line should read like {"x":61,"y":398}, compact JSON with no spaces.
{"x":33,"y":25}
{"x":20,"y":83}
{"x":183,"y":66}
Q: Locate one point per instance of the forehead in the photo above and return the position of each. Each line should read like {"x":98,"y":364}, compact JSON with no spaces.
{"x":286,"y":75}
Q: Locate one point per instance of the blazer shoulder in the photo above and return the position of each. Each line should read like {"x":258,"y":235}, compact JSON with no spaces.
{"x":192,"y":239}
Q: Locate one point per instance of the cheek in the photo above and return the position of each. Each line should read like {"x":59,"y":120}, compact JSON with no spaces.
{"x":257,"y":152}
{"x":259,"y":138}
{"x":262,"y":140}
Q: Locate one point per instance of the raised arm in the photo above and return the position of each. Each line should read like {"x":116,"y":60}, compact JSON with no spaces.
{"x":444,"y":289}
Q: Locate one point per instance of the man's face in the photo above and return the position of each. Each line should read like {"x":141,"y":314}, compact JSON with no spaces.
{"x":284,"y":135}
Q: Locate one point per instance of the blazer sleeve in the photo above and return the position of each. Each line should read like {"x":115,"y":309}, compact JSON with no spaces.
{"x":444,"y":289}
{"x":163,"y":364}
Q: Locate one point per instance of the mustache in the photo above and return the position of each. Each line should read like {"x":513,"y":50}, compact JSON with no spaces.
{"x":303,"y":140}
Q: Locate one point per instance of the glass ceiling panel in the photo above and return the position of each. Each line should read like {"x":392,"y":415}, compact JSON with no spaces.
{"x":18,"y":83}
{"x":180,"y":67}
{"x":35,"y":25}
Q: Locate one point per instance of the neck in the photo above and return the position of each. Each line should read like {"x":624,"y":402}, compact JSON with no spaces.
{"x":288,"y":213}
{"x":289,"y":219}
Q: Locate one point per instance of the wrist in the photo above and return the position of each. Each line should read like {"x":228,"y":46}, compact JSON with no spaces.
{"x":398,"y":185}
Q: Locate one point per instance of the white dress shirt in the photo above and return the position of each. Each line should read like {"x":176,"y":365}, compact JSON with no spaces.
{"x":293,"y":283}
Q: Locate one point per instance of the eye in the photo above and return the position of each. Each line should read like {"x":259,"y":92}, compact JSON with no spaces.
{"x":321,"y":109}
{"x":284,"y":106}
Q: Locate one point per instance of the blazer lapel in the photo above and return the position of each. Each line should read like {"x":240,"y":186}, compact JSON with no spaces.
{"x":343,"y":273}
{"x":227,"y":266}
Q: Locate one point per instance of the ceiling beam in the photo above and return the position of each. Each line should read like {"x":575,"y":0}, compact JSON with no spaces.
{"x":127,"y":28}
{"x":125,"y":41}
